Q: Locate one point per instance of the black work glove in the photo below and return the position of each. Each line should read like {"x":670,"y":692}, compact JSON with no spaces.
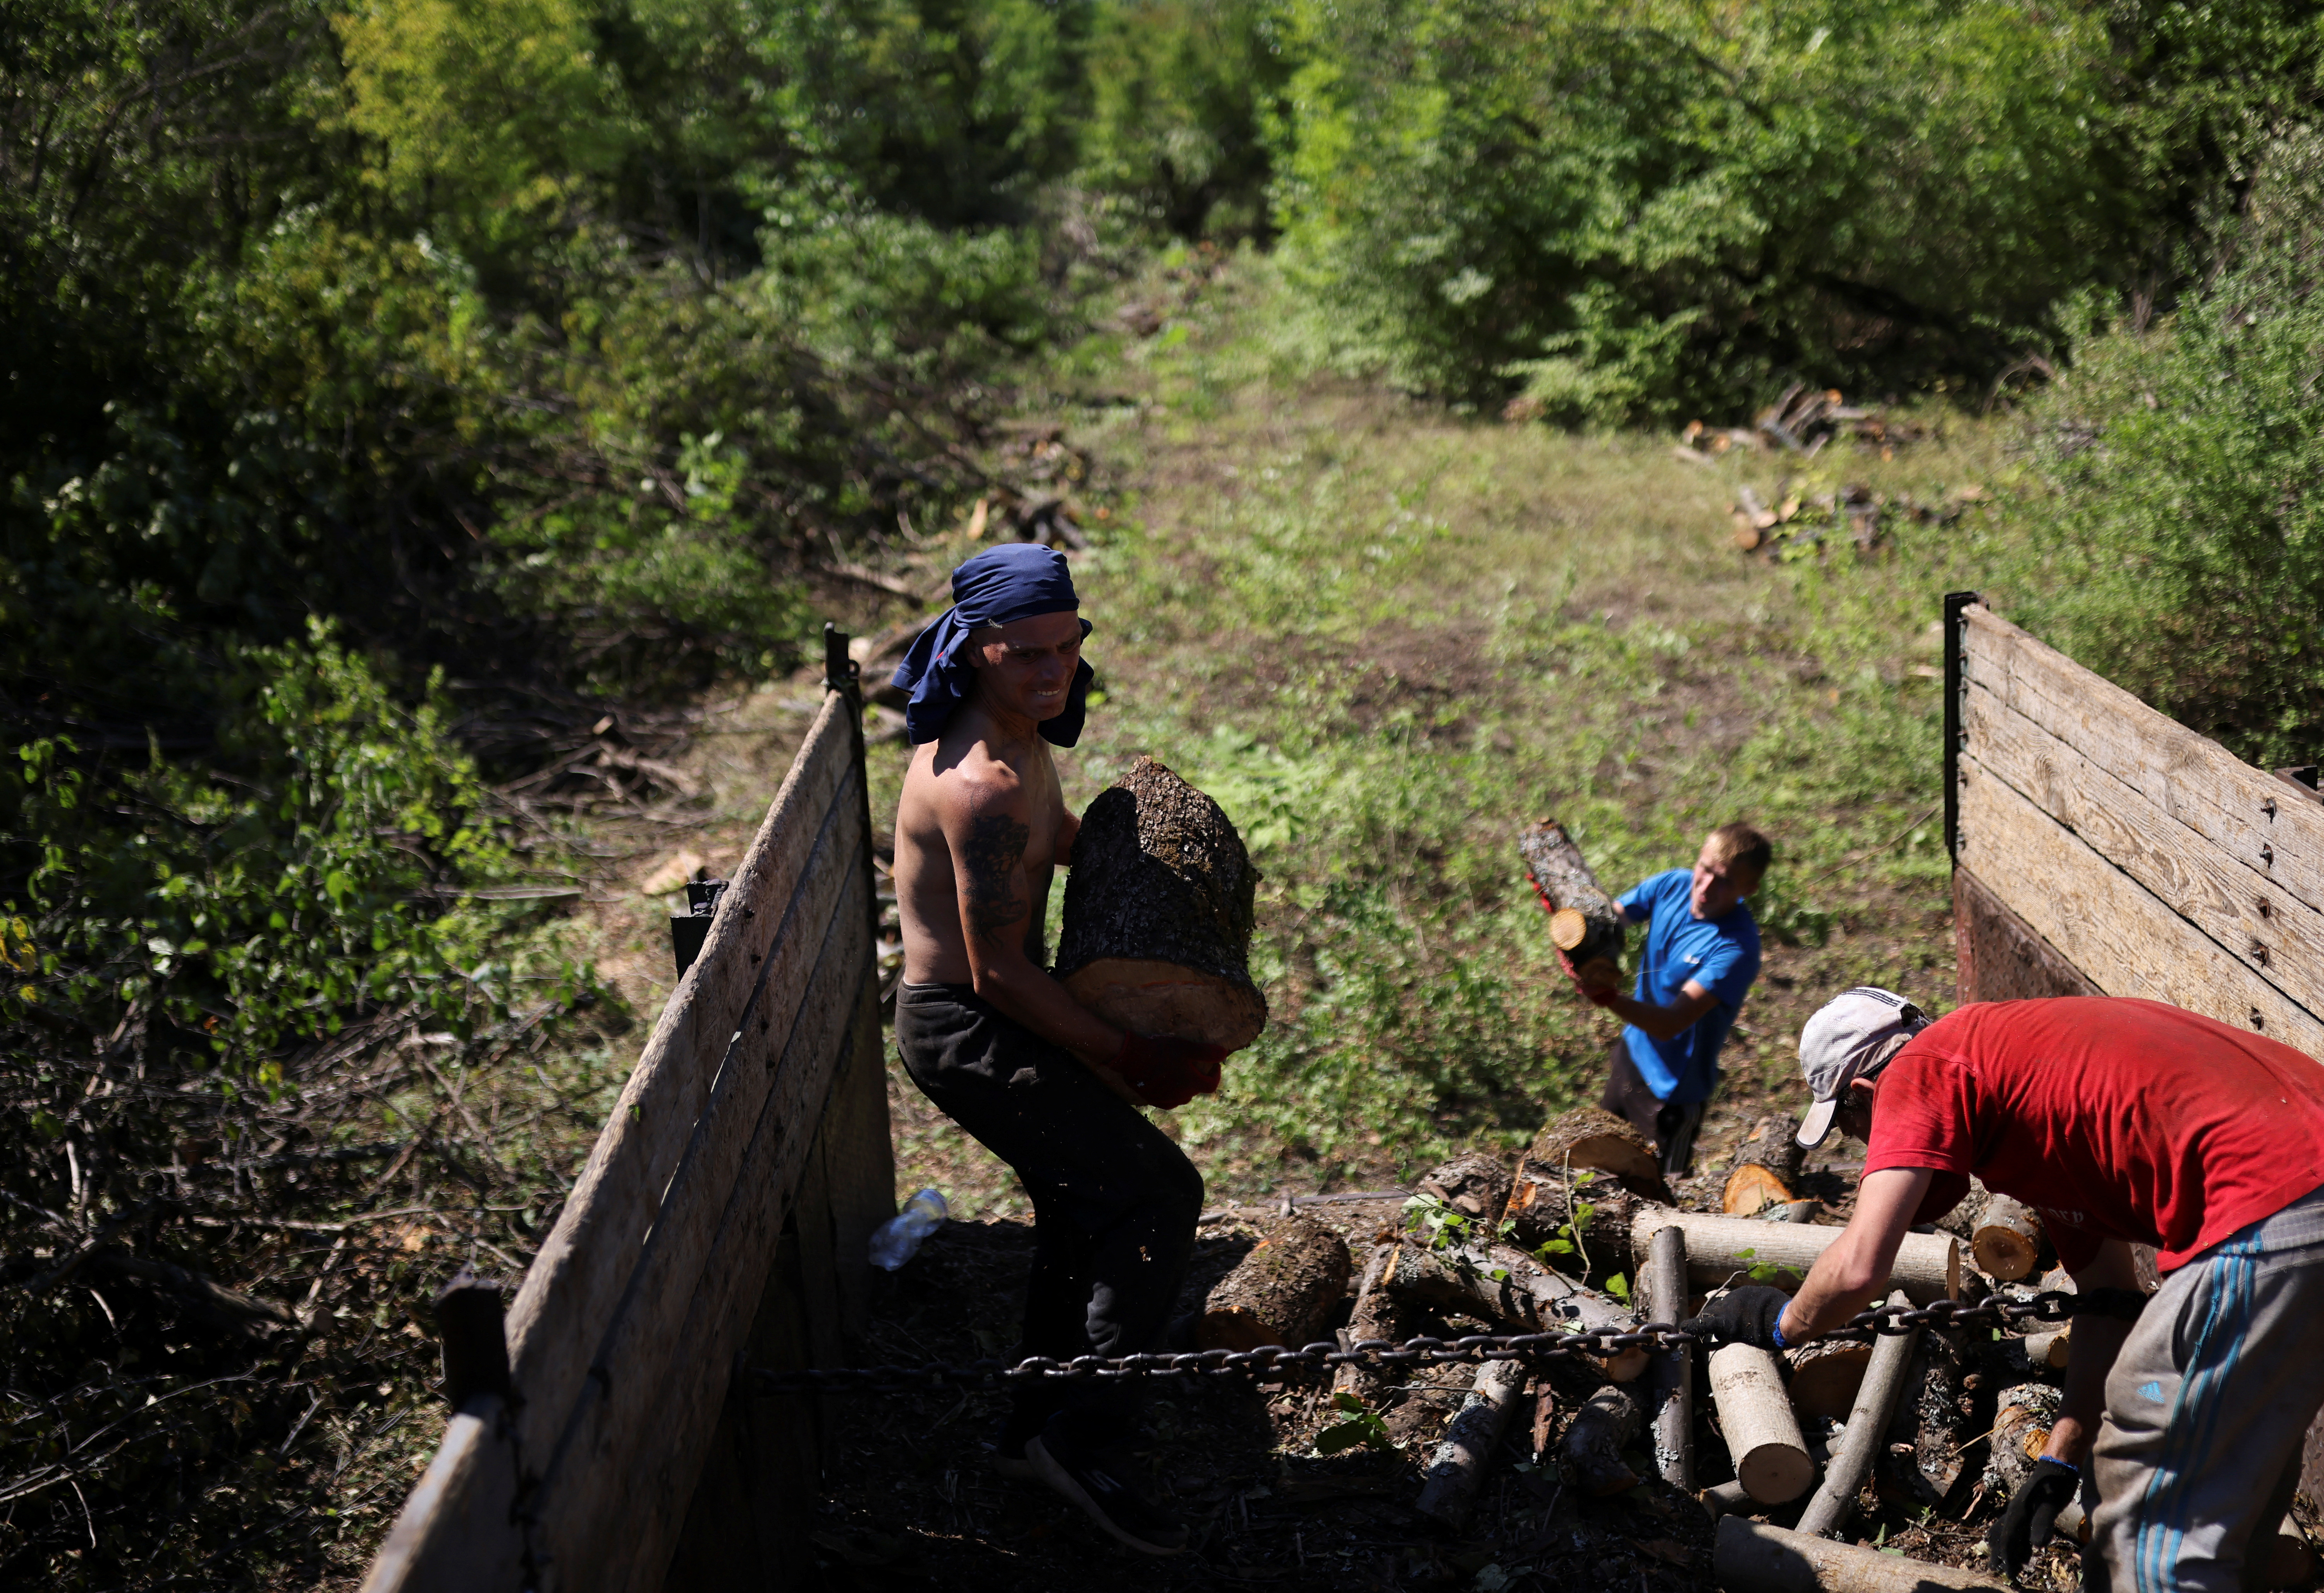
{"x":2025,"y":1525}
{"x":1744,"y":1314}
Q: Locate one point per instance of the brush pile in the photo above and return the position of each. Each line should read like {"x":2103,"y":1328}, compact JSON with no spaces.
{"x":1804,"y":422}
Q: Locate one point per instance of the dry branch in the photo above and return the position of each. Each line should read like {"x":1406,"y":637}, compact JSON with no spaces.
{"x":1867,"y":1428}
{"x":1449,"y":1487}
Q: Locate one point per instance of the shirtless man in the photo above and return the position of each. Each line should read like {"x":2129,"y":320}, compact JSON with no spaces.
{"x":985,"y":1032}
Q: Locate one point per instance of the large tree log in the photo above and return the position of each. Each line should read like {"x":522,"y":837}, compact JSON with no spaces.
{"x":1449,"y":1487}
{"x":1595,"y":1438}
{"x":1282,"y":1293}
{"x":1528,"y":1296}
{"x":1541,"y":1209}
{"x":1158,"y":913}
{"x":1476,"y":1183}
{"x":1583,"y":921}
{"x":1927,"y":1266}
{"x":1751,"y":1558}
{"x":1670,"y":1375}
{"x":2006,"y":1240}
{"x":1587,"y":1139}
{"x":1755,"y":1416}
{"x":1379,"y":1314}
{"x":1826,"y":1374}
{"x":1867,"y":1433}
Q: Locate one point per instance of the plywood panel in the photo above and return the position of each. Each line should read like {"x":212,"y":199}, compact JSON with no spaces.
{"x":1997,"y":955}
{"x":2107,"y":925}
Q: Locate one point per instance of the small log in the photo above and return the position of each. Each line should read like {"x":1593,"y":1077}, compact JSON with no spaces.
{"x":1583,"y":921}
{"x":1594,"y":1439}
{"x":1530,"y":1297}
{"x":1476,"y":1183}
{"x":2007,"y":1241}
{"x":1158,"y":913}
{"x":1750,"y":1188}
{"x":1752,"y":1558}
{"x":1825,"y":1377}
{"x":1449,"y":1487}
{"x":2036,"y":1355}
{"x":1868,"y":1431}
{"x":1380,"y":1314}
{"x":1589,"y":1139}
{"x":2021,"y":1426}
{"x":1763,"y":1436}
{"x":1671,"y":1374}
{"x":1282,"y":1293}
{"x":1797,"y":1211}
{"x":1939,"y":1414}
{"x":1773,"y":1144}
{"x":1927,"y":1266}
{"x":1726,"y":1498}
{"x":1541,"y":1204}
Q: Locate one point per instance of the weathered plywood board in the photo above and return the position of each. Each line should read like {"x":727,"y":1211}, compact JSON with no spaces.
{"x":457,"y":1531}
{"x":2114,"y":929}
{"x":2244,"y":812}
{"x":1996,"y":955}
{"x":561,"y":1313}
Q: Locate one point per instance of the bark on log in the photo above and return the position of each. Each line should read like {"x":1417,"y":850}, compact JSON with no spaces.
{"x":1773,"y":1144}
{"x":1476,"y":1183}
{"x":1584,"y":923}
{"x":1927,"y":1266}
{"x":1282,"y":1293}
{"x":1380,"y":1314}
{"x":2007,"y":1241}
{"x":1751,"y":1189}
{"x":1158,"y":913}
{"x":1825,"y":1377}
{"x":1939,"y":1417}
{"x":1751,"y":1558}
{"x":1592,"y":1140}
{"x":2021,"y":1426}
{"x":1763,"y":1436}
{"x":1670,"y":1375}
{"x":1449,"y":1487}
{"x":1531,"y":1297}
{"x":1594,"y":1439}
{"x":1867,"y":1433}
{"x":1541,"y":1205}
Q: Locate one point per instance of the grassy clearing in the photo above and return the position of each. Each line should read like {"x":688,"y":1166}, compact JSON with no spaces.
{"x":1386,"y":637}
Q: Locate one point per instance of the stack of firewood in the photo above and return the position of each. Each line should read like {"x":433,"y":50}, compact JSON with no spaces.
{"x":1804,"y":422}
{"x":1801,"y":519}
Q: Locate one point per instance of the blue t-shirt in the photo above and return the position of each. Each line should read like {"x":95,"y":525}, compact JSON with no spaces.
{"x":1720,"y":955}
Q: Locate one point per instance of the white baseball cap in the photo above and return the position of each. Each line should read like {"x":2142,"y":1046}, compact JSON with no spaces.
{"x":1849,"y":1038}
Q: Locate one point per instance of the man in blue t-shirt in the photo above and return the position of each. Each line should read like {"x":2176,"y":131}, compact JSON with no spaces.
{"x":1702,"y":955}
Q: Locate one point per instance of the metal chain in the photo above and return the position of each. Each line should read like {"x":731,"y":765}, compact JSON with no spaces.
{"x":1271,"y":1359}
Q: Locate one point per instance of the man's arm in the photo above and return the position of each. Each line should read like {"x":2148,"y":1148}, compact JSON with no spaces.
{"x":2097,"y":1339}
{"x":987,"y":833}
{"x":1664,"y":1023}
{"x":1855,"y":1267}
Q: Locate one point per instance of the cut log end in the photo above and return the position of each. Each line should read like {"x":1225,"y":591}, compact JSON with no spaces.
{"x":1752,"y":1188}
{"x":1568,"y":928}
{"x":1763,"y":1435}
{"x":2006,"y":1242}
{"x":1588,"y":1139}
{"x":1159,"y":998}
{"x":1826,"y":1376}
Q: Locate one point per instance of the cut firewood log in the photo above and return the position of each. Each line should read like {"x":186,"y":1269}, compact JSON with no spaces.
{"x":1751,"y":1188}
{"x":1158,"y":914}
{"x":1528,"y":1295}
{"x":1826,"y":1373}
{"x":1940,"y":1417}
{"x":1449,"y":1487}
{"x":1927,"y":1266}
{"x":1543,"y":1204}
{"x":2007,"y":1239}
{"x":1763,"y":1436}
{"x":1773,"y":1144}
{"x":1282,"y":1293}
{"x":1867,"y":1433}
{"x":1476,"y":1183}
{"x":1583,"y":921}
{"x":1380,"y":1314}
{"x":2036,"y":1355}
{"x":1670,"y":1375}
{"x":1588,"y":1139}
{"x":2021,"y":1426}
{"x":1754,"y":1558}
{"x":1594,"y":1440}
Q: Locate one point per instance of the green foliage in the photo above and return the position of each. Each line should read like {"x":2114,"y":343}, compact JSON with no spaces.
{"x":1364,"y":1426}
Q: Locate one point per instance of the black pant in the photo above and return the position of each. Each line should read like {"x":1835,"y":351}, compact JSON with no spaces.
{"x":1114,"y":1201}
{"x":1670,"y":1125}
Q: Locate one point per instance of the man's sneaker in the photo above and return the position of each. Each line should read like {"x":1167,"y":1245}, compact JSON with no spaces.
{"x":1108,"y":1500}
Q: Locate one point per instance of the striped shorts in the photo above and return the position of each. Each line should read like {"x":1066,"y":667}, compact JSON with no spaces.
{"x":2206,"y":1406}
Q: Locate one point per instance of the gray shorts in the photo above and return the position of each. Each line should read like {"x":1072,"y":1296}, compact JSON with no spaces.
{"x":2206,"y":1409}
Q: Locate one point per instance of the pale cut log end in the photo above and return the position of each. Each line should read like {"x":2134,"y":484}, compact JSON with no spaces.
{"x":1161,"y":999}
{"x":1568,"y":928}
{"x":1751,"y":1189}
{"x":1826,"y":1376}
{"x":2004,"y":1254}
{"x":1775,"y":1473}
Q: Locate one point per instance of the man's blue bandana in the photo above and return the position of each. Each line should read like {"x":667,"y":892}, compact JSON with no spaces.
{"x":1000,"y":585}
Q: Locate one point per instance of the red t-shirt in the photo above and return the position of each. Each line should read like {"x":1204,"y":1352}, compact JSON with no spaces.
{"x":2114,"y":1118}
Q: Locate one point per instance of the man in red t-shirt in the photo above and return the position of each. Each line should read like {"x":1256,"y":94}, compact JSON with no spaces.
{"x":2121,"y":1122}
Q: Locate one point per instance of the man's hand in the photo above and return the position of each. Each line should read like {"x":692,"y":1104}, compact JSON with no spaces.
{"x":1744,"y":1314}
{"x":1166,"y":1072}
{"x":1589,"y":980}
{"x":2024,"y":1526}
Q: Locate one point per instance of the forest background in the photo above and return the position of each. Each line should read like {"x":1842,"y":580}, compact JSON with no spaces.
{"x":409,"y":407}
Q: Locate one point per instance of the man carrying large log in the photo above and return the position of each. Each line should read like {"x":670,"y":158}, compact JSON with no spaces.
{"x":1005,"y":1053}
{"x":1700,"y":957}
{"x":2122,"y":1122}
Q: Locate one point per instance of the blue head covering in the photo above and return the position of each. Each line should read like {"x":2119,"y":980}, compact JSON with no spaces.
{"x":1000,"y":585}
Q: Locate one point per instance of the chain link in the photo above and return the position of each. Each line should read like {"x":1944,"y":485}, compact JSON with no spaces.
{"x":1996,"y":1312}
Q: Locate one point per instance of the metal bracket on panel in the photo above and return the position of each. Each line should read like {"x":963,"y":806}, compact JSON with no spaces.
{"x":690,"y":930}
{"x":1956,"y":684}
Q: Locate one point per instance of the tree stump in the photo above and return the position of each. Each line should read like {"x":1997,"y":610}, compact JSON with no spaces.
{"x":1583,"y":921}
{"x":1158,"y":914}
{"x":1474,"y":1183}
{"x":1282,"y":1293}
{"x":2006,"y":1240}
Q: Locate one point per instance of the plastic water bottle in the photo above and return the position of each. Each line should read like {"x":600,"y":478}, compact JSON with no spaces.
{"x":901,"y":1234}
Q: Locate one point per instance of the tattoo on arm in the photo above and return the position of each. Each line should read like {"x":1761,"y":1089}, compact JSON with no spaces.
{"x":993,"y":876}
